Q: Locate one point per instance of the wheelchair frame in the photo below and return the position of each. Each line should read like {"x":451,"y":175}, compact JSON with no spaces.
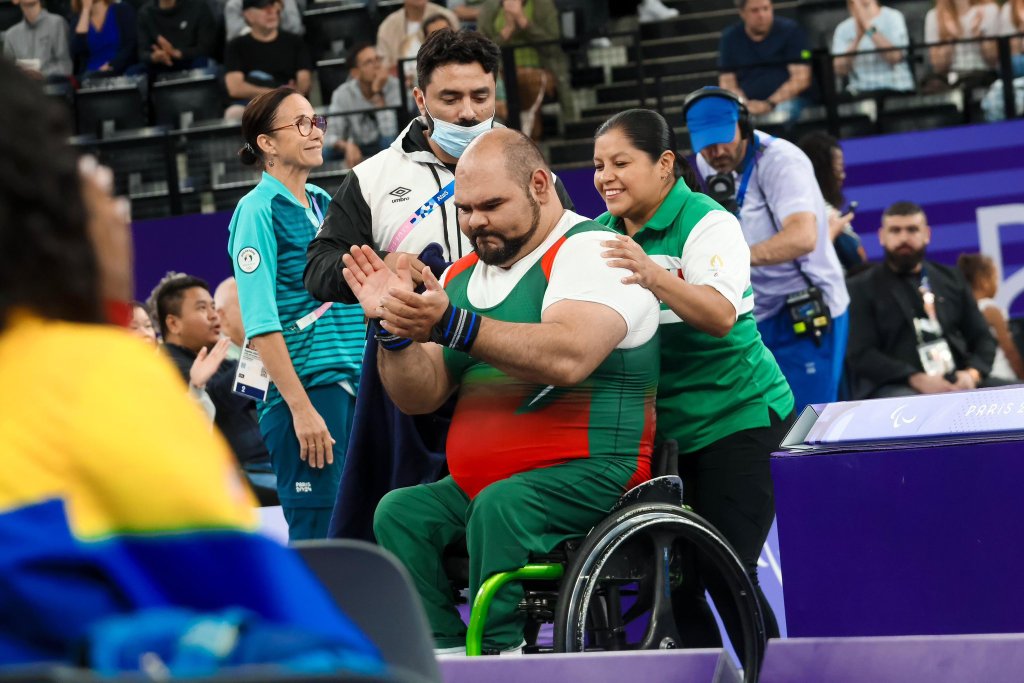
{"x":650,"y":504}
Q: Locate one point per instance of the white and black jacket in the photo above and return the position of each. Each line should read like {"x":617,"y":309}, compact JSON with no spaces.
{"x":373,"y":203}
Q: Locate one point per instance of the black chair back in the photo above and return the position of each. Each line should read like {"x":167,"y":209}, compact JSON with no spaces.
{"x":375,"y":591}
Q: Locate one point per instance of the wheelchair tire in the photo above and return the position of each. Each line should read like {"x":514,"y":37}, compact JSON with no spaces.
{"x":632,"y":523}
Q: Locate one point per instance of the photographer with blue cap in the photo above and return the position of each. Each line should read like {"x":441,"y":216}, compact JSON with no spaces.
{"x":800,"y":297}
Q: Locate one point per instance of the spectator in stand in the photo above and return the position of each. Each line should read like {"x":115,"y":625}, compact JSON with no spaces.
{"x":225,"y":300}
{"x":827,"y":159}
{"x":369,"y":86}
{"x":541,"y":71}
{"x":981,"y":274}
{"x":400,"y":35}
{"x":39,"y":43}
{"x":265,"y":58}
{"x":235,"y":25}
{"x":870,"y":28}
{"x":914,"y":325}
{"x":761,"y":59}
{"x":141,"y":324}
{"x":105,"y":40}
{"x":176,"y":35}
{"x":969,"y":63}
{"x":467,"y":11}
{"x":191,"y":330}
{"x":436,"y":22}
{"x":1011,"y":23}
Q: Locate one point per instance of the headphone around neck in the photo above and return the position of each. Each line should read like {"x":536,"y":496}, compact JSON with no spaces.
{"x":746,"y":127}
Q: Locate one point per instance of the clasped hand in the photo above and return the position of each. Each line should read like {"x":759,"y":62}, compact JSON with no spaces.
{"x":389,"y":297}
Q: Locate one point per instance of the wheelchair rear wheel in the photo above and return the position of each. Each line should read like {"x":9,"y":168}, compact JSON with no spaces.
{"x":616,"y":593}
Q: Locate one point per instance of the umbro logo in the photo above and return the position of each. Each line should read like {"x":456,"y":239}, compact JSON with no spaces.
{"x":399,"y":192}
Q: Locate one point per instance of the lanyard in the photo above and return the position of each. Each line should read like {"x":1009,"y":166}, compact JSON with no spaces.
{"x":928,"y":297}
{"x":316,"y":211}
{"x":749,"y":161}
{"x":311,"y":317}
{"x":421,"y":213}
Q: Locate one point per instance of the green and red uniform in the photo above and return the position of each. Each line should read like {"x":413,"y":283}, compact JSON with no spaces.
{"x":531,"y":465}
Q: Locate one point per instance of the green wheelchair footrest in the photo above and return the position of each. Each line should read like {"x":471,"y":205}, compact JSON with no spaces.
{"x":490,"y":588}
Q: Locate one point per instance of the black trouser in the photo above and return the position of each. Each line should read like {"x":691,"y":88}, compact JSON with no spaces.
{"x":729,"y":483}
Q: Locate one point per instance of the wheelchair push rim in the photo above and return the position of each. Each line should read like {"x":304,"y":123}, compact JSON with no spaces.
{"x":585,"y":593}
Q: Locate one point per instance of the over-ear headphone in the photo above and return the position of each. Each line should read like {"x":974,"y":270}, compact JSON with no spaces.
{"x":746,"y":127}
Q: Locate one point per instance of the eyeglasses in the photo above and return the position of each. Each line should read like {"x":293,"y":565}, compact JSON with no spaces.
{"x":304,"y":125}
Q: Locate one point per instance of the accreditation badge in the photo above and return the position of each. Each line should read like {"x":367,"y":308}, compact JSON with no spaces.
{"x":251,"y":378}
{"x":936,"y":358}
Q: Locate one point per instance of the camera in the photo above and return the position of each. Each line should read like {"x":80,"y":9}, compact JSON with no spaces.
{"x":722,"y":188}
{"x":809,"y":313}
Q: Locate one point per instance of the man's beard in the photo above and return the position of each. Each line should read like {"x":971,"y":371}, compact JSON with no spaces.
{"x":510,"y":246}
{"x":904,"y":263}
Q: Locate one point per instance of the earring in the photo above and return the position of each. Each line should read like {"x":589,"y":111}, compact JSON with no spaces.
{"x":270,"y":163}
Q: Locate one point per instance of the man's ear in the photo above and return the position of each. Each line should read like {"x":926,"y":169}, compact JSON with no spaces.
{"x":173,"y":323}
{"x":420,"y":98}
{"x":540,"y":183}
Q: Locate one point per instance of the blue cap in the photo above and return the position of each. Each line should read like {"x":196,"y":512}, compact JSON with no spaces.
{"x":712,"y":121}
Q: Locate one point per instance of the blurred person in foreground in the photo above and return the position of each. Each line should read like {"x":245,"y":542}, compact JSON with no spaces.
{"x":121,"y":515}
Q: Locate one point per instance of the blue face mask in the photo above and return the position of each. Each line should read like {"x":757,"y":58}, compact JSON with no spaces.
{"x":453,"y":138}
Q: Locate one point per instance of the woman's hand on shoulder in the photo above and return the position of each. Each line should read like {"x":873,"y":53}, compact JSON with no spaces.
{"x":623,"y":252}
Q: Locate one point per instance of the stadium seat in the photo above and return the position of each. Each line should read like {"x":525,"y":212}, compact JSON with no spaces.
{"x":332,"y":73}
{"x":183,"y":98}
{"x":375,"y":591}
{"x":105,"y":106}
{"x":330,"y":31}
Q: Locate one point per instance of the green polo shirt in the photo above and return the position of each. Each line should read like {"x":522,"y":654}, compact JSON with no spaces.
{"x":709,"y":387}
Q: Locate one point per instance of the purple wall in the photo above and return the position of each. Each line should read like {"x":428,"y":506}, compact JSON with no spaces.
{"x":196,"y":244}
{"x":968,"y":179}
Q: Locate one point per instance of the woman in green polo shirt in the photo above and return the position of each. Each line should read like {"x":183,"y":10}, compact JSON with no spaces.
{"x":721,"y":394}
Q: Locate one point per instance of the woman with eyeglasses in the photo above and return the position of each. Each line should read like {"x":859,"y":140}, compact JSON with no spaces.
{"x":309,"y":351}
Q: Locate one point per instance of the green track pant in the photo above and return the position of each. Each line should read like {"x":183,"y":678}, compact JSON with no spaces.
{"x":530,"y":512}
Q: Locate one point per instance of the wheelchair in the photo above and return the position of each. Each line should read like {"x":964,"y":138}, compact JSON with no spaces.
{"x":612,"y":589}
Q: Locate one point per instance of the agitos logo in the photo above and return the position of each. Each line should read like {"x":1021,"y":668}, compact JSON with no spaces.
{"x":897,"y":417}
